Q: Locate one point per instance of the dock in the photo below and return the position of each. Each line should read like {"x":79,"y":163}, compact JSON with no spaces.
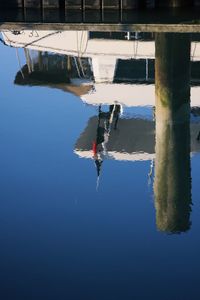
{"x":101,"y":15}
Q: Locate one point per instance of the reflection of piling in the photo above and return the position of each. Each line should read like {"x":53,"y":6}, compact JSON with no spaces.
{"x":172,"y":186}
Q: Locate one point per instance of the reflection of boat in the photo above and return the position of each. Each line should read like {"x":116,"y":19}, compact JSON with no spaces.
{"x":78,"y":43}
{"x":86,"y":44}
{"x":95,"y":67}
{"x":133,"y":140}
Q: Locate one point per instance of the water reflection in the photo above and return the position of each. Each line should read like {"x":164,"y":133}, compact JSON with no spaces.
{"x":109,"y":71}
{"x":105,"y":121}
{"x":172,"y":185}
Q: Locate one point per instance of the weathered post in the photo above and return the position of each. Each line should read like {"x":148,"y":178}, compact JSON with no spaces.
{"x":172,"y":185}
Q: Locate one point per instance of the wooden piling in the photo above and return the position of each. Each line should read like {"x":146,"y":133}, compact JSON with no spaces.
{"x":172,"y":184}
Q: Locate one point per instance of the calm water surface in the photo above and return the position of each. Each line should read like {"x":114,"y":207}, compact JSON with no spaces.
{"x":65,"y":234}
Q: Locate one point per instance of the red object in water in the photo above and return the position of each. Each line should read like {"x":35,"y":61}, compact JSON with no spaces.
{"x":94,"y":148}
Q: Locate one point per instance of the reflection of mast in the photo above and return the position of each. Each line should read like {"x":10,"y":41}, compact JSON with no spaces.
{"x":105,"y":120}
{"x":172,"y":185}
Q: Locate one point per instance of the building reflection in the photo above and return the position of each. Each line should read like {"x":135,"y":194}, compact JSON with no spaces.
{"x":114,"y":82}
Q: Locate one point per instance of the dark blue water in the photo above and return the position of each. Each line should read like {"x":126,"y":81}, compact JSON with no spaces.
{"x":60,"y":237}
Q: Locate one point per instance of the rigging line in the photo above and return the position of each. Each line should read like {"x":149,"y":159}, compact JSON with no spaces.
{"x":111,"y":117}
{"x":150,"y":172}
{"x":79,"y":47}
{"x":28,"y":60}
{"x":80,"y":52}
{"x":7,"y":39}
{"x":80,"y":55}
{"x":147,"y":69}
{"x":195,"y":45}
{"x":135,"y":45}
{"x":77,"y":42}
{"x":81,"y":65}
{"x":3,"y":42}
{"x":97,"y":184}
{"x":77,"y":67}
{"x":86,"y":44}
{"x":35,"y":41}
{"x":20,"y":66}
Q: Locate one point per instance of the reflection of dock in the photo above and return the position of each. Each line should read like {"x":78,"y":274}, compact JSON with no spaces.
{"x":104,"y":18}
